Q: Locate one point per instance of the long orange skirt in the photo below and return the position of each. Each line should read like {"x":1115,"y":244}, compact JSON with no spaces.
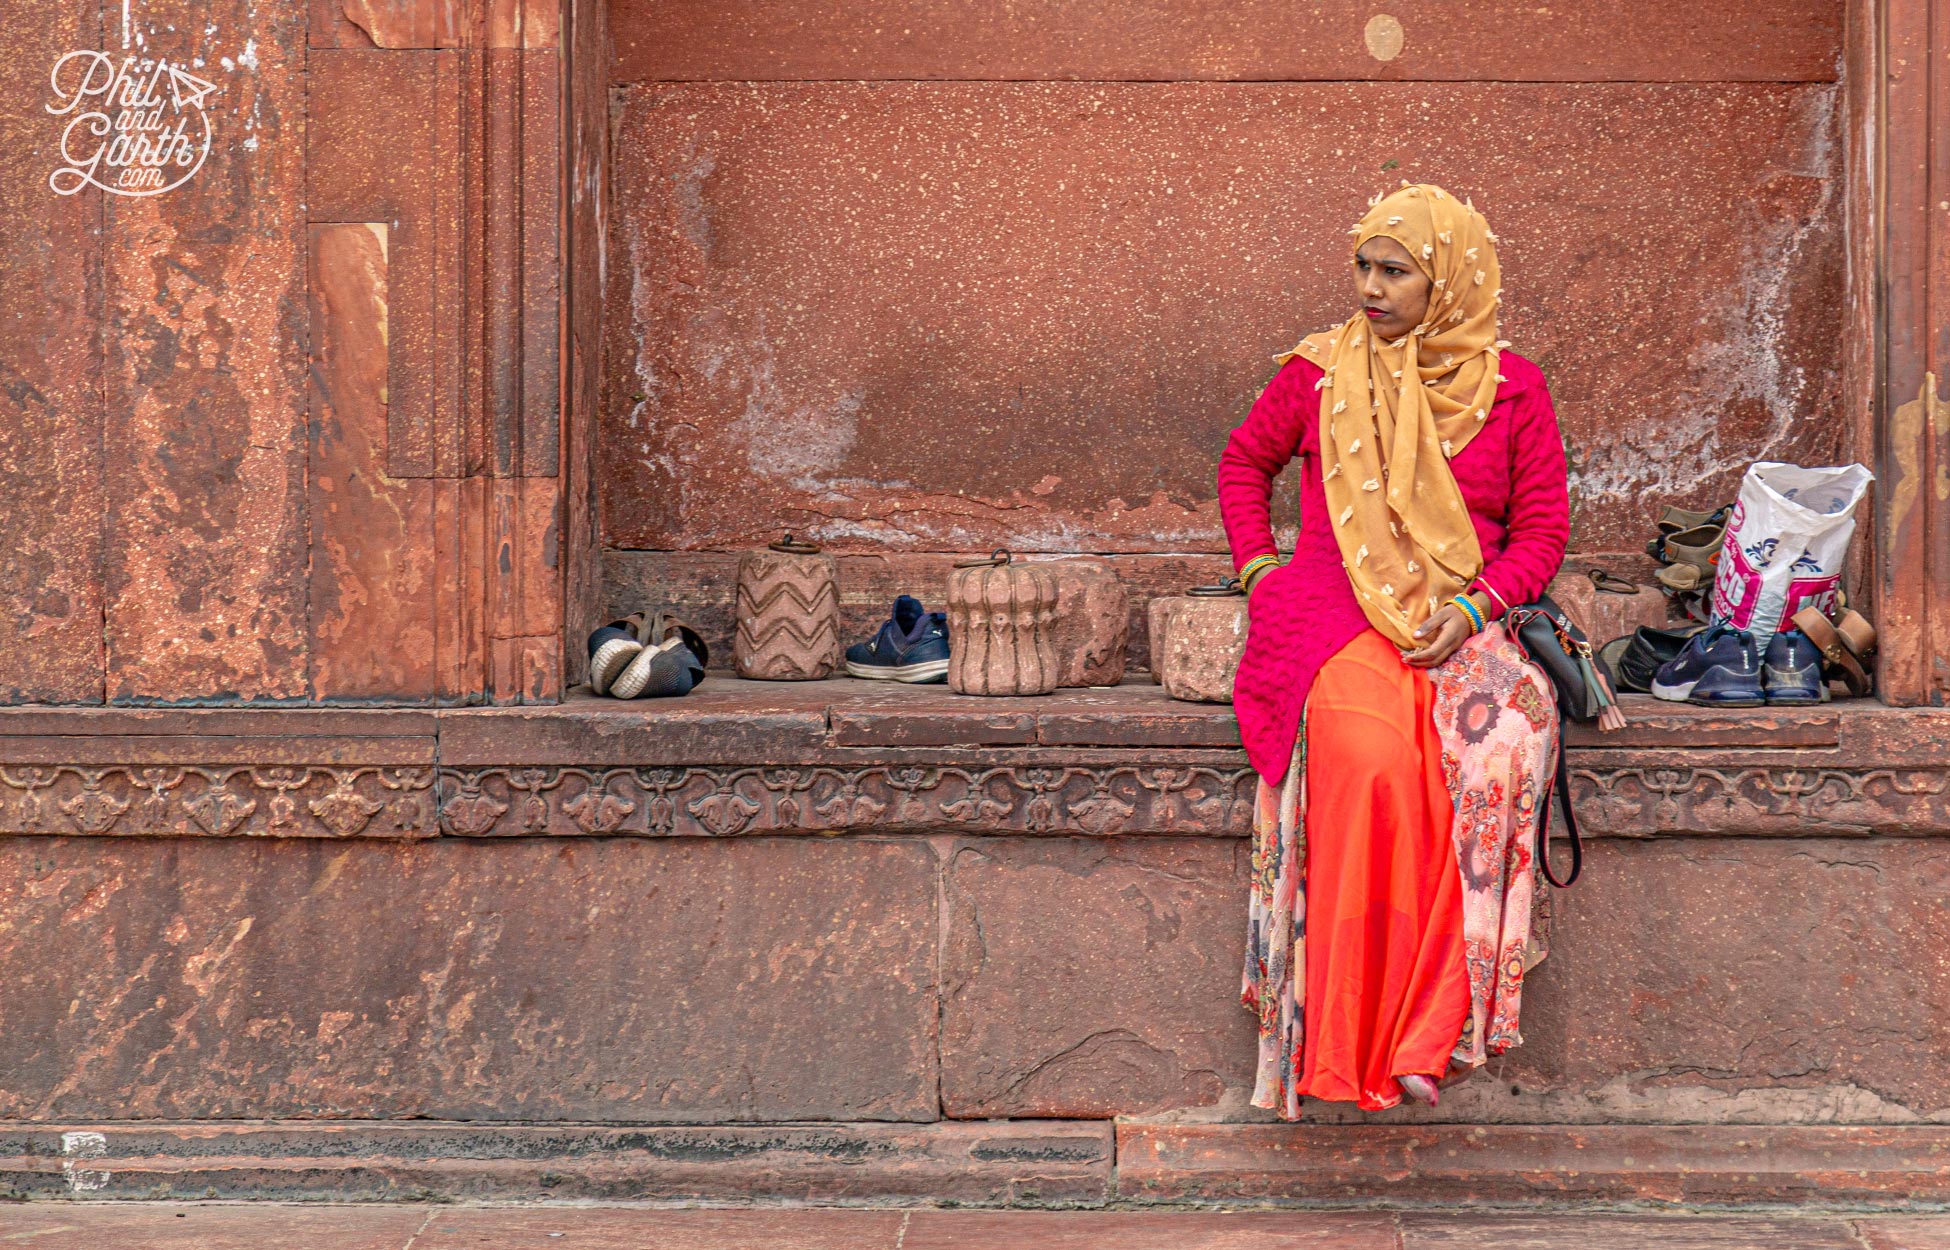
{"x":1386,"y":982}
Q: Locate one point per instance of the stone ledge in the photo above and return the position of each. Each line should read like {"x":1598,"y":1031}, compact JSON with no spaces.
{"x":996,"y":1163}
{"x":1677,"y":1164}
{"x":728,"y":720}
{"x":743,"y":757}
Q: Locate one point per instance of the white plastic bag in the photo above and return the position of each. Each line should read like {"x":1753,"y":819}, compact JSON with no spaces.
{"x":1785,"y":544}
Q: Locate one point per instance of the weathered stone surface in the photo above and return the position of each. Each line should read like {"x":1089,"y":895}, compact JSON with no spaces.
{"x":1432,"y":1231}
{"x":1141,"y":39}
{"x":323,"y":1226}
{"x":1204,"y":638}
{"x":1137,"y":723}
{"x":1093,"y":624}
{"x":51,"y":330}
{"x":1680,"y":1164}
{"x":1661,"y":990}
{"x":1604,"y":615}
{"x":641,"y":1229}
{"x":283,"y":722}
{"x":1749,"y":982}
{"x":585,"y":42}
{"x":674,"y":981}
{"x":809,"y":297}
{"x":1657,"y":1003}
{"x":395,"y":23}
{"x":456,"y":151}
{"x":1140,"y":1014}
{"x":1019,"y":1161}
{"x":1157,"y":615}
{"x":1685,"y":730}
{"x":1151,"y":1230}
{"x":208,"y":1226}
{"x":402,"y":24}
{"x":1922,"y":1232}
{"x":931,"y":726}
{"x":837,"y":752}
{"x":205,"y":381}
{"x":709,"y":725}
{"x":385,"y":144}
{"x":371,"y":605}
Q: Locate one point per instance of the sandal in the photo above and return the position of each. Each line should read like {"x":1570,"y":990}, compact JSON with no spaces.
{"x":1678,"y":520}
{"x":1846,"y":645}
{"x":1699,"y":547}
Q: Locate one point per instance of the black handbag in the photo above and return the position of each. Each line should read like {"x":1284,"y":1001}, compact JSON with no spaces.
{"x":1550,"y":640}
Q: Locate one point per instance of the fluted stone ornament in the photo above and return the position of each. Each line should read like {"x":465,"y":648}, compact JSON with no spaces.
{"x":1002,"y":627}
{"x":788,"y":613}
{"x":1204,"y":635}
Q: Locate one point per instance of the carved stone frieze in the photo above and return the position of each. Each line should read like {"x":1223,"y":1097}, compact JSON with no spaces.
{"x":229,"y":800}
{"x":723,"y":802}
{"x":317,"y":801}
{"x":1765,"y":801}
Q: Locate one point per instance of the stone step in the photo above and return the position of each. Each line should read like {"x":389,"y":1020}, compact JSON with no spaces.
{"x":266,"y":1226}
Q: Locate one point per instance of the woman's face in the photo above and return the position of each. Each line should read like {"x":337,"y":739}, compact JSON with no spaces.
{"x":1393,"y":290}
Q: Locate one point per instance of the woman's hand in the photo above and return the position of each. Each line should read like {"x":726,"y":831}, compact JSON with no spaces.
{"x":1440,"y":635}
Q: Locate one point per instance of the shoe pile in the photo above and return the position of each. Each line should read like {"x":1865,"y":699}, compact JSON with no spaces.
{"x":646,"y":656}
{"x":654,"y":655}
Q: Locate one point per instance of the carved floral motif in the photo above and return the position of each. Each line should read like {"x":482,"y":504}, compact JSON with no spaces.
{"x":726,"y":802}
{"x":217,"y":801}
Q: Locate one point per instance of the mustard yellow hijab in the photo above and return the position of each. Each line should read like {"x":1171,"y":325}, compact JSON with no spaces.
{"x":1392,"y":414}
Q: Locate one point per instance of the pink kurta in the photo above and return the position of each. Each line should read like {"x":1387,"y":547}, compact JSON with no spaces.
{"x":1512,"y":476}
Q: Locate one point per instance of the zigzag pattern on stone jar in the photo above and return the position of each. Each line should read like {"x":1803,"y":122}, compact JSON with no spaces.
{"x":788,"y":617}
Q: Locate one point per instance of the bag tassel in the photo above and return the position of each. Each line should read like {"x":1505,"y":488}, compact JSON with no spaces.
{"x":1610,"y":717}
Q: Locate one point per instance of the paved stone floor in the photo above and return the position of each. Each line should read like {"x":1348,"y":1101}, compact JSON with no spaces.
{"x":263,"y":1226}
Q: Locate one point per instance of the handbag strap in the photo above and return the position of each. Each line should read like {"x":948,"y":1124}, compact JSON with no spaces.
{"x":1562,"y":786}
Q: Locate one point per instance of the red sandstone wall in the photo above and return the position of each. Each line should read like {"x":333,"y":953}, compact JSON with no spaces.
{"x":931,"y":277}
{"x":289,"y":432}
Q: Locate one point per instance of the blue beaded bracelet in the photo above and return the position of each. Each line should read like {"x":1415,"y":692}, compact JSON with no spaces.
{"x":1472,"y":611}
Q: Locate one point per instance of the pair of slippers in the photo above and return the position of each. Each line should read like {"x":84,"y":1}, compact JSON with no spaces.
{"x":646,"y":655}
{"x":1687,"y":548}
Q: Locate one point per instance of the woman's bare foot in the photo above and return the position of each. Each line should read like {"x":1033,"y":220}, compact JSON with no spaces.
{"x":1458,"y":1073}
{"x":1419,"y":1087}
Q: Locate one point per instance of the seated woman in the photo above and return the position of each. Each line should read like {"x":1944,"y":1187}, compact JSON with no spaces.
{"x":1402,"y":741}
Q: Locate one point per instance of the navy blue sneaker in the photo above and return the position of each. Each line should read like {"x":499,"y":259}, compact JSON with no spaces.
{"x":1720,"y":667}
{"x":1792,"y":670}
{"x":912,"y":646}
